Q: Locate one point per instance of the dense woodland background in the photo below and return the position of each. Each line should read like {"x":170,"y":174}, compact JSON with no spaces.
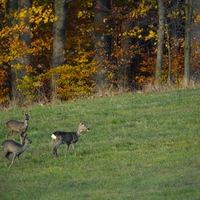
{"x":64,"y":49}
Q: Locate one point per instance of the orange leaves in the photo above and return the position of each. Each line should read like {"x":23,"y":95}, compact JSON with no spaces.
{"x":3,"y":87}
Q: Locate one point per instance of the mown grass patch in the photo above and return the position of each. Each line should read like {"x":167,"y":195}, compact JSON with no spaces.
{"x":141,"y":146}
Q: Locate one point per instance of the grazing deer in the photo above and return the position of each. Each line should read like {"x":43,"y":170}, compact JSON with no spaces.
{"x":68,"y":138}
{"x":16,"y":126}
{"x":10,"y":146}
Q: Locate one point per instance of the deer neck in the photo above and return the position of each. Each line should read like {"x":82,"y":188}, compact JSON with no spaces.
{"x":25,"y":122}
{"x":78,"y":133}
{"x":24,"y":146}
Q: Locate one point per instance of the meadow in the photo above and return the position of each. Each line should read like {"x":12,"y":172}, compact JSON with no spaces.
{"x":140,"y":146}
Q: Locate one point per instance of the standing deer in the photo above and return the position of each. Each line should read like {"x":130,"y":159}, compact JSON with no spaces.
{"x":16,"y":126}
{"x":68,"y":138}
{"x":10,"y":146}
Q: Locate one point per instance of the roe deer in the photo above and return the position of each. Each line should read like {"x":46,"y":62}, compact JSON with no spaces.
{"x":68,"y":138}
{"x":16,"y":126}
{"x":10,"y":146}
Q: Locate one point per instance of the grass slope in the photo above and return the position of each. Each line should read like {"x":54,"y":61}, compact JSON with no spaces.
{"x":141,"y":146}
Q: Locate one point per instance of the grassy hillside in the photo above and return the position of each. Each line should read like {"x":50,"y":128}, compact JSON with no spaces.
{"x":141,"y":146}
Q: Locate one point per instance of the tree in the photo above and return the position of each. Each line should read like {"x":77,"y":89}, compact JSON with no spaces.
{"x":18,"y":12}
{"x":124,"y":68}
{"x":59,"y":38}
{"x":187,"y":47}
{"x":11,"y":8}
{"x":161,"y":14}
{"x":117,"y":37}
{"x":102,"y":41}
{"x":25,"y":38}
{"x":24,"y":58}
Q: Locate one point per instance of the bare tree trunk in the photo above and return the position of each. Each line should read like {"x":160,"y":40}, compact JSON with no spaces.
{"x":25,"y":36}
{"x":124,"y":68}
{"x":25,"y":39}
{"x":169,"y":58}
{"x":102,"y":41}
{"x":11,"y":8}
{"x":161,"y":13}
{"x":187,"y":47}
{"x":59,"y":38}
{"x":24,"y":58}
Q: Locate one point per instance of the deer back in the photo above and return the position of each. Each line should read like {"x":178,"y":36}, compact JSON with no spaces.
{"x":15,"y":147}
{"x":17,"y":126}
{"x":66,"y":137}
{"x":11,"y":146}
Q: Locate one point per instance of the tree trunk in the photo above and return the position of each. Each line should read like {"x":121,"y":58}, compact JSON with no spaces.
{"x":59,"y":38}
{"x":169,"y":57}
{"x":102,"y":42}
{"x":161,"y":13}
{"x":187,"y":47}
{"x":25,"y":36}
{"x":18,"y":74}
{"x":11,"y":8}
{"x":124,"y":68}
{"x":25,"y":57}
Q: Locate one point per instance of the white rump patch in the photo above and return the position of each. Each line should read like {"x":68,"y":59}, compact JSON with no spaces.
{"x":53,"y":136}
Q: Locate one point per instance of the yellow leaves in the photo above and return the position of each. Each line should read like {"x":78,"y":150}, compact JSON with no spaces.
{"x":29,"y":69}
{"x":3,"y":3}
{"x":176,"y":13}
{"x":40,"y":44}
{"x":89,"y":4}
{"x":197,"y":19}
{"x":26,"y":86}
{"x":5,"y":32}
{"x":22,"y":13}
{"x":27,"y":79}
{"x":151,"y":35}
{"x":135,"y":32}
{"x":42,"y":13}
{"x":46,"y":20}
{"x":124,"y":34}
{"x":80,"y":14}
{"x":17,"y":66}
{"x":3,"y":89}
{"x":84,"y":14}
{"x":73,"y":80}
{"x":141,"y":10}
{"x":37,"y":20}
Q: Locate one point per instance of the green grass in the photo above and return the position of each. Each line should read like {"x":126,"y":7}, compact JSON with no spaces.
{"x":140,"y":146}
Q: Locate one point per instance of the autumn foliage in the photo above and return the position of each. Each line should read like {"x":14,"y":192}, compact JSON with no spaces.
{"x":135,"y":59}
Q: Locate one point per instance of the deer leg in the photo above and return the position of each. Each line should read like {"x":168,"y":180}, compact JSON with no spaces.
{"x":5,"y":154}
{"x":55,"y":148}
{"x":22,"y":134}
{"x":12,"y":161}
{"x":67,"y":149}
{"x":7,"y":133}
{"x":18,"y":159}
{"x":74,"y":148}
{"x":13,"y":135}
{"x":22,"y":138}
